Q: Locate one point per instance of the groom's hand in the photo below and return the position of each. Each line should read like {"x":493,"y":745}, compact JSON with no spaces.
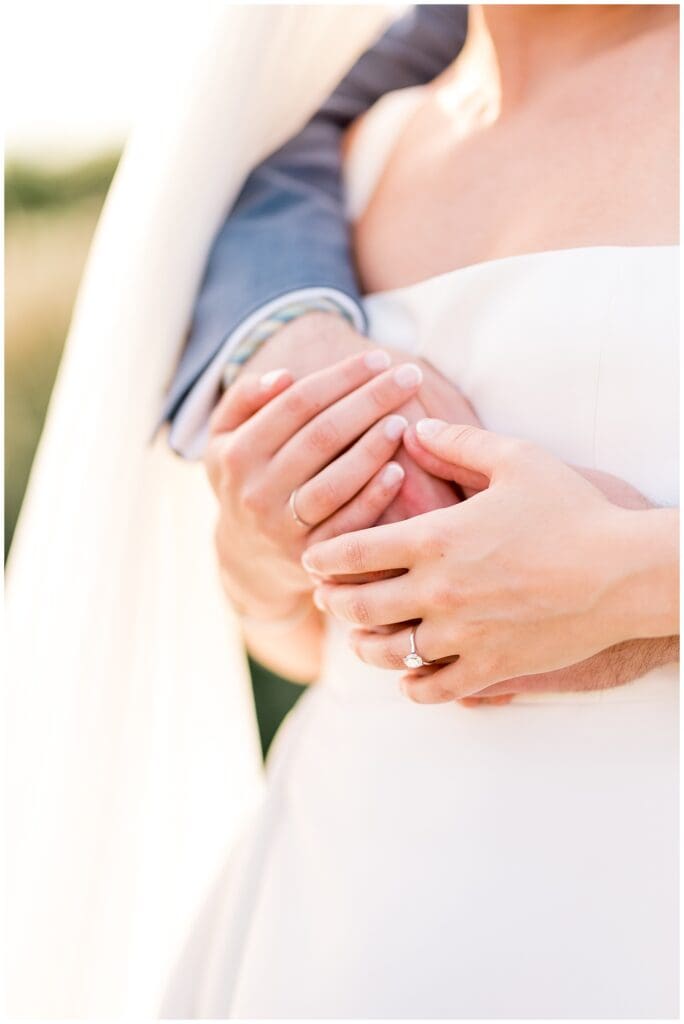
{"x":317,"y":340}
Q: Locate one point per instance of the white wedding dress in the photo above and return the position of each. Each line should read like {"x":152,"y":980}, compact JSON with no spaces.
{"x":513,"y":861}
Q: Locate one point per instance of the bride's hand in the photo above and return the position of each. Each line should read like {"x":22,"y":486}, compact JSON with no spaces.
{"x":536,"y":572}
{"x":328,"y":438}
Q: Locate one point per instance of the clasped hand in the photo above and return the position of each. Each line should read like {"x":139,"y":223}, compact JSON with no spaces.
{"x":328,"y":438}
{"x":530,"y":575}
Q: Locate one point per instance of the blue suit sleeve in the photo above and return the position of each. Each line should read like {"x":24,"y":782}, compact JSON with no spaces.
{"x":288,"y":229}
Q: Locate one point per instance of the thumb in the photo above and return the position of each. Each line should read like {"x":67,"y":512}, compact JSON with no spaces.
{"x":463,"y":445}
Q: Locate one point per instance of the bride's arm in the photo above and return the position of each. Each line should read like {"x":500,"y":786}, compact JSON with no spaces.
{"x":291,"y":646}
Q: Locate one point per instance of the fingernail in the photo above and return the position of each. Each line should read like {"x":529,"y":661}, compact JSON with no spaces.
{"x":318,"y":600}
{"x":391,"y":475}
{"x":429,"y":428}
{"x":408,"y":376}
{"x":377,"y":359}
{"x":271,"y":378}
{"x":306,"y":563}
{"x":394,"y":427}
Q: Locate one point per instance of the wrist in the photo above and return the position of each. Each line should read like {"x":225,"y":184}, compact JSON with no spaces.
{"x":643,"y":600}
{"x":309,"y":343}
{"x":283,"y":621}
{"x":264,"y":606}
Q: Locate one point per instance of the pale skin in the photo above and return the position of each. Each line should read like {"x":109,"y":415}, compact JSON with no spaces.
{"x":331,"y":436}
{"x":272,"y":436}
{"x":532,"y":99}
{"x":536,"y":572}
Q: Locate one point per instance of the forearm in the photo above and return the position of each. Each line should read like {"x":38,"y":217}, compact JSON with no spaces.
{"x":290,"y":648}
{"x":647,"y":601}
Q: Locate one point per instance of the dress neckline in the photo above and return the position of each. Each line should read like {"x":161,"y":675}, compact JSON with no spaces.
{"x":402,"y":103}
{"x":502,"y":262}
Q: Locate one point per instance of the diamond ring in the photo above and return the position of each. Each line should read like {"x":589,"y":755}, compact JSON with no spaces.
{"x":293,"y":509}
{"x":413,"y":658}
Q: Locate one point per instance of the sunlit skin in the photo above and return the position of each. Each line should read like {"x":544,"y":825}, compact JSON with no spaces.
{"x":536,"y":572}
{"x":271,"y":435}
{"x":546,"y":96}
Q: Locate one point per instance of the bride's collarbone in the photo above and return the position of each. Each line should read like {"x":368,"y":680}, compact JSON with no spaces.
{"x":563,"y":172}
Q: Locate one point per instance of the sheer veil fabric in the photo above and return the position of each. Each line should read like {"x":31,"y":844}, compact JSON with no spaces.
{"x":133,"y":751}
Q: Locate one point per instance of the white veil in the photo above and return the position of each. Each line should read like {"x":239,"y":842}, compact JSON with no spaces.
{"x":133,"y":753}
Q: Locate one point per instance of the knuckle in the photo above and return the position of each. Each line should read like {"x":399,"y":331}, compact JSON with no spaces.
{"x":490,"y":668}
{"x":444,"y":595}
{"x":391,"y":656}
{"x":472,"y":636}
{"x":433,"y":691}
{"x":519,"y":450}
{"x":325,"y":495}
{"x":463,"y":431}
{"x":358,"y":611}
{"x":376,"y":444}
{"x":231,"y":458}
{"x":297,"y":402}
{"x":353,"y":554}
{"x":431,"y":543}
{"x":253,"y":499}
{"x":370,"y":505}
{"x":353,"y":369}
{"x":323,"y":437}
{"x":381,"y":395}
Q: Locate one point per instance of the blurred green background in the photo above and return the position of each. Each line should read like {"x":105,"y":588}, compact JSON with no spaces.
{"x":50,"y":216}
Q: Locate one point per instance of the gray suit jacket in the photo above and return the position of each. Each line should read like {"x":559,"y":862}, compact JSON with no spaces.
{"x":288,"y":229}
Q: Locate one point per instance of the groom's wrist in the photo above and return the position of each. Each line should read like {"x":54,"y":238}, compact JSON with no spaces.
{"x":281,"y":316}
{"x":262,"y":605}
{"x":308,"y":344}
{"x":644,"y":602}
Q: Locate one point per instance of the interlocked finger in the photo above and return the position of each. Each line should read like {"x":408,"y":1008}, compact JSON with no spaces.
{"x":364,"y":509}
{"x":339,"y":482}
{"x":272,"y":426}
{"x":390,"y":651}
{"x":330,"y":433}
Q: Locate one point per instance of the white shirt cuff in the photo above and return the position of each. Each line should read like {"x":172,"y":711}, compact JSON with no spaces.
{"x":189,"y":430}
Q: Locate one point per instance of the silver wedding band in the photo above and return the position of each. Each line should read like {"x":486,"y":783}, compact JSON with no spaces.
{"x":413,"y":658}
{"x":293,"y":509}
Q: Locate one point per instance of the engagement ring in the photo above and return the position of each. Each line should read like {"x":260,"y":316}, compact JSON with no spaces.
{"x":413,"y":658}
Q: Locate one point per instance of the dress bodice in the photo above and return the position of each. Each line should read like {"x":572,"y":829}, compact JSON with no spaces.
{"x":574,"y":349}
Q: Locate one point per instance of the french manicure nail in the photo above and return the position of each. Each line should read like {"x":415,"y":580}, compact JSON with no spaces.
{"x":394,"y":427}
{"x":429,"y":428}
{"x":270,"y":379}
{"x":391,"y":475}
{"x":378,"y":359}
{"x":408,"y":376}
